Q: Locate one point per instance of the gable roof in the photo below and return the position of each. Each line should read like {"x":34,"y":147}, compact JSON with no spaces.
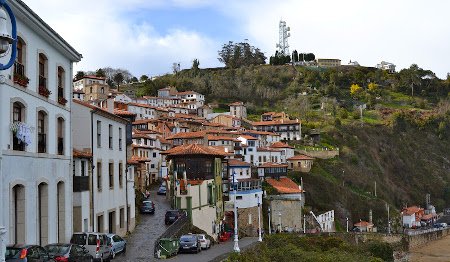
{"x":300,"y":157}
{"x":270,"y":164}
{"x":81,"y":154}
{"x":363,"y":224}
{"x":284,"y":185}
{"x":276,"y":123}
{"x":280,"y":145}
{"x":237,"y":162}
{"x":194,"y":149}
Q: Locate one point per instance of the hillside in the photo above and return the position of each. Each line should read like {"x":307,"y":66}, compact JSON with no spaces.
{"x":402,"y":142}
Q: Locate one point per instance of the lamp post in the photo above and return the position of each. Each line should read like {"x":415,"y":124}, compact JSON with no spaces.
{"x":5,"y":41}
{"x":270,"y":229}
{"x":347,"y":223}
{"x":279,"y":218}
{"x":259,"y":221}
{"x":236,"y":238}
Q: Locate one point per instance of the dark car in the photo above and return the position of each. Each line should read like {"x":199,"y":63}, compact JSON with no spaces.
{"x":148,"y":207}
{"x":172,"y":216}
{"x":190,"y":243}
{"x":24,"y":253}
{"x":69,"y":252}
{"x":162,"y":190}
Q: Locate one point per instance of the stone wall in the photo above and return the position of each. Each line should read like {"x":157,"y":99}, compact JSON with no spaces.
{"x":246,"y":215}
{"x":320,"y":153}
{"x":291,"y":214}
{"x":425,"y":238}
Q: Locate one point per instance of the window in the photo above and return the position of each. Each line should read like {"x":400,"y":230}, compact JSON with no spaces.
{"x":110,"y":141}
{"x":121,"y":217}
{"x":18,"y":116}
{"x":99,"y":133}
{"x":61,"y":76}
{"x":83,"y":168}
{"x":43,"y":88}
{"x":120,"y":175}
{"x":19,"y":67}
{"x":154,"y":154}
{"x":60,"y":133}
{"x":111,"y":175}
{"x":152,"y":166}
{"x":99,"y":175}
{"x":102,"y":90}
{"x":120,"y":139}
{"x":41,"y":130}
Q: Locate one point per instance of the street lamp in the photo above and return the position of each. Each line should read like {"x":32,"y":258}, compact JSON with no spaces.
{"x":279,"y":217}
{"x":236,"y":238}
{"x":5,"y":39}
{"x":259,"y":221}
{"x":270,"y":229}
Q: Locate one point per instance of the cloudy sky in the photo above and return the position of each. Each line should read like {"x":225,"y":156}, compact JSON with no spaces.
{"x":148,"y":36}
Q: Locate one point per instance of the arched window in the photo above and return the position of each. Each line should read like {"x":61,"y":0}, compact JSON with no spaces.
{"x":19,"y":65}
{"x":61,"y":77}
{"x":43,"y":88}
{"x":42,"y":132}
{"x":102,"y":90}
{"x":18,"y":116}
{"x":60,"y":133}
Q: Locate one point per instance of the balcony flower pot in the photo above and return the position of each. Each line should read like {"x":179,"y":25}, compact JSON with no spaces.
{"x":21,"y":80}
{"x":62,"y":100}
{"x":43,"y":91}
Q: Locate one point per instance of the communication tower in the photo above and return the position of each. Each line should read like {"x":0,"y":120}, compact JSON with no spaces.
{"x":283,"y":46}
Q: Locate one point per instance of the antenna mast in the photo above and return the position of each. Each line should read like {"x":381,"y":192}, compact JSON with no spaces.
{"x":283,"y":46}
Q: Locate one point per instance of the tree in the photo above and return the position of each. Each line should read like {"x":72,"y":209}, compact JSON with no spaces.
{"x":294,"y":56}
{"x":372,"y":87}
{"x":118,"y":79}
{"x":355,"y":89}
{"x":143,"y":78}
{"x":79,"y":75}
{"x":310,"y":57}
{"x":134,"y":79}
{"x":195,"y":69}
{"x":100,"y":73}
{"x":175,"y":68}
{"x":240,"y":54}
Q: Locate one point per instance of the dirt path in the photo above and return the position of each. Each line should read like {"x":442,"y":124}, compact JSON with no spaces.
{"x":436,"y":251}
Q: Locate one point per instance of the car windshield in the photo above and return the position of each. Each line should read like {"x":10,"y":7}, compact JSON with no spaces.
{"x":79,"y":239}
{"x":57,"y":249}
{"x":12,"y":252}
{"x":172,"y":213}
{"x":187,"y":238}
{"x":147,"y":203}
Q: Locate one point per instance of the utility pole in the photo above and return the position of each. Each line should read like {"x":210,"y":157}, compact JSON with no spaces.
{"x":389,"y":220}
{"x":304,"y":224}
{"x":347,"y":223}
{"x":375,"y":188}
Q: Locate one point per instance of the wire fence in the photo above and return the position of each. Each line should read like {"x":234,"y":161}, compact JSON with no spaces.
{"x":173,"y":231}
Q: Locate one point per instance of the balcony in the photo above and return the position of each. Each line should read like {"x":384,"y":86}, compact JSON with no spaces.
{"x":80,"y":183}
{"x":19,"y":75}
{"x":60,"y":146}
{"x":42,"y":143}
{"x":43,"y":90}
{"x":61,"y":99}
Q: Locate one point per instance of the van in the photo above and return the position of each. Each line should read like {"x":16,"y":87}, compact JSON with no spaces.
{"x":98,"y":244}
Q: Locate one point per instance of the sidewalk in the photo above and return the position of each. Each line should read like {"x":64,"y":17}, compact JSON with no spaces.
{"x":216,"y":252}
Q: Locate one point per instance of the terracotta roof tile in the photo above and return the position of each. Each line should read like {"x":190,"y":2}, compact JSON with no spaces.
{"x":284,"y":185}
{"x":238,"y":103}
{"x":280,"y":145}
{"x":237,"y":162}
{"x":186,"y":135}
{"x":81,"y":154}
{"x":270,"y":164}
{"x":363,"y":224}
{"x":300,"y":157}
{"x":276,"y":123}
{"x":248,"y":137}
{"x":194,"y":149}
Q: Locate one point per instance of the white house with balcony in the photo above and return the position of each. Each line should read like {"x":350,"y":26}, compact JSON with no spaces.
{"x":103,"y":134}
{"x":35,"y":134}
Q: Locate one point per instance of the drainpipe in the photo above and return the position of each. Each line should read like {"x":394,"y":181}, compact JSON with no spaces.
{"x":126,"y":182}
{"x":92,"y":171}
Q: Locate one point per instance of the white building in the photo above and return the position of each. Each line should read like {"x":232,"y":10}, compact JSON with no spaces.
{"x":389,"y":67}
{"x":35,"y":137}
{"x":103,"y":134}
{"x":287,"y":129}
{"x":326,"y":221}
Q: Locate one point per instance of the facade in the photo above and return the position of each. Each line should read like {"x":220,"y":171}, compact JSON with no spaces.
{"x":195,"y":185}
{"x":35,"y":134}
{"x":300,"y":163}
{"x":411,"y":216}
{"x":328,"y":62}
{"x":227,"y":120}
{"x":103,"y":134}
{"x":389,"y":67}
{"x":326,"y":221}
{"x":94,"y":87}
{"x":238,"y":109}
{"x":287,"y":129}
{"x":272,"y":170}
{"x":364,"y":226}
{"x":286,"y":150}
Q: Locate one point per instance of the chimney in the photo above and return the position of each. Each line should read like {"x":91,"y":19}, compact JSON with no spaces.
{"x":110,"y":104}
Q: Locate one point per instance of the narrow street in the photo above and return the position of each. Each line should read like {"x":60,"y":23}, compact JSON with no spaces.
{"x":141,"y":242}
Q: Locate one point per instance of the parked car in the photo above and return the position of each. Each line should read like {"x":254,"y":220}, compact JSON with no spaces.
{"x":118,"y":244}
{"x":162,"y":190}
{"x":68,"y":252}
{"x":172,"y":216}
{"x":190,"y":243}
{"x":24,"y":253}
{"x":148,"y":207}
{"x":205,"y":243}
{"x":98,"y":244}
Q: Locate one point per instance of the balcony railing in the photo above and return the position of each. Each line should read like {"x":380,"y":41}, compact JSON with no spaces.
{"x":60,"y":146}
{"x":80,"y":183}
{"x":42,"y":81}
{"x":19,"y":74}
{"x":42,"y":143}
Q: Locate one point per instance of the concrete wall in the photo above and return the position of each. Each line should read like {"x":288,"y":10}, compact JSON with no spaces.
{"x":423,"y":239}
{"x":291,"y":214}
{"x":322,"y":154}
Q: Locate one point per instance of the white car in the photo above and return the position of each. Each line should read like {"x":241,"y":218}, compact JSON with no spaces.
{"x":205,"y":243}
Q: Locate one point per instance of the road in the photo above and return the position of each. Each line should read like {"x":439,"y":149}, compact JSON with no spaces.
{"x":141,"y":242}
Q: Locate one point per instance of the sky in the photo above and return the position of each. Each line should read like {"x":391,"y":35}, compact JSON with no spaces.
{"x":148,"y":36}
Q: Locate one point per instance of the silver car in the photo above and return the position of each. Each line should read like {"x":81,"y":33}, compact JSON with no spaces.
{"x":98,"y":244}
{"x":118,"y":244}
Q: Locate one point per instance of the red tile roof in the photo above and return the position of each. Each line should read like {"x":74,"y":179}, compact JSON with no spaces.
{"x":237,"y":162}
{"x":94,"y":77}
{"x":270,"y":164}
{"x":267,"y":149}
{"x":226,"y":138}
{"x":280,"y":145}
{"x":139,"y":159}
{"x":239,"y":103}
{"x":187,"y":135}
{"x":363,"y":224}
{"x":261,"y":133}
{"x":248,"y":137}
{"x":300,"y":157}
{"x":194,"y":149}
{"x":81,"y":154}
{"x":411,"y":210}
{"x":284,"y":185}
{"x":276,"y":123}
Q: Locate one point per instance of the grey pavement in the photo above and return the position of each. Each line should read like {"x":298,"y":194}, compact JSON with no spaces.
{"x":141,"y":241}
{"x":215,"y":251}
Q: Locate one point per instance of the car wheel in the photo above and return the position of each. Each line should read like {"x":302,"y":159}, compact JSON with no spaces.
{"x":124,"y":249}
{"x":113,"y":254}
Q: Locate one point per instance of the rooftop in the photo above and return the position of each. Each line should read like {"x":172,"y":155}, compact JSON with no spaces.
{"x":284,"y":185}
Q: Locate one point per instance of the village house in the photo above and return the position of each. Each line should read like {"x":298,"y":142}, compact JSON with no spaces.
{"x":274,"y":116}
{"x":286,"y":150}
{"x":195,"y":185}
{"x":300,"y":163}
{"x":94,"y":87}
{"x":35,"y":135}
{"x":273,"y":170}
{"x":411,"y":216}
{"x":238,"y":110}
{"x":227,"y":120}
{"x":287,"y":129}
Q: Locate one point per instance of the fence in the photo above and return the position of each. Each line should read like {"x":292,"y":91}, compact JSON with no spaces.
{"x":174,"y":230}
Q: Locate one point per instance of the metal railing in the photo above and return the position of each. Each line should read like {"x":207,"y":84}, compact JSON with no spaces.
{"x":19,"y":69}
{"x":173,"y":231}
{"x":42,"y":81}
